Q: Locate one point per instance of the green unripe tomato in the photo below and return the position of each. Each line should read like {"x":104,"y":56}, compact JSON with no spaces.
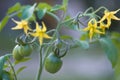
{"x":25,"y":50}
{"x":53,"y":63}
{"x":16,"y":53}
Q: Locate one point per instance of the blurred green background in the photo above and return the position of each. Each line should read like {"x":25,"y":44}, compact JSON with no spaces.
{"x":91,"y":64}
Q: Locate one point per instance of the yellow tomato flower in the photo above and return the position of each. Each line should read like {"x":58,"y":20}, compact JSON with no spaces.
{"x":92,"y":28}
{"x":40,"y":33}
{"x":102,"y":26}
{"x":109,"y":16}
{"x":21,"y":25}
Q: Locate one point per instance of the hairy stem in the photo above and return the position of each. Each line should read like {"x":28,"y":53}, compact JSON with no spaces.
{"x":13,"y":14}
{"x":40,"y":65}
{"x":15,"y":76}
{"x":54,"y":16}
{"x":48,"y":48}
{"x":100,"y":9}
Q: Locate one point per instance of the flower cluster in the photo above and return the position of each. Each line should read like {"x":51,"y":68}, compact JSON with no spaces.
{"x":40,"y":31}
{"x":93,"y":26}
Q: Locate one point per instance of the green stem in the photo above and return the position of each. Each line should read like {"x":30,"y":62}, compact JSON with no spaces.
{"x":92,"y":13}
{"x":54,"y":16}
{"x":15,"y":76}
{"x":40,"y":65}
{"x":100,"y":9}
{"x":50,"y":31}
{"x":13,"y":14}
{"x":48,"y":48}
{"x":91,"y":8}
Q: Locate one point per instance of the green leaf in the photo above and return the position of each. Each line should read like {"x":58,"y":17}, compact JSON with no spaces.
{"x":71,"y":24}
{"x":82,"y":44}
{"x":23,"y":60}
{"x":60,"y":7}
{"x":56,"y":7}
{"x":44,"y":6}
{"x":65,"y":37}
{"x":53,"y":15}
{"x":20,"y":69}
{"x":31,"y":19}
{"x":6,"y":66}
{"x":6,"y":76}
{"x":84,"y":36}
{"x":110,"y":50}
{"x":68,"y":21}
{"x":74,"y":27}
{"x":116,"y":42}
{"x":115,"y":35}
{"x":68,"y":17}
{"x":65,"y":3}
{"x":14,"y":8}
{"x":2,"y":62}
{"x":4,"y":22}
{"x":19,"y":15}
{"x":41,"y":13}
{"x":28,"y":11}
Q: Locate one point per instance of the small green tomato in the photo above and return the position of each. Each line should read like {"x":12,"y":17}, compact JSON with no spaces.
{"x":16,"y":53}
{"x":53,"y":63}
{"x":25,"y":50}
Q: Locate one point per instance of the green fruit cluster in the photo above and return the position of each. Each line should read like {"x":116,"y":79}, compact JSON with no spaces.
{"x":21,"y":51}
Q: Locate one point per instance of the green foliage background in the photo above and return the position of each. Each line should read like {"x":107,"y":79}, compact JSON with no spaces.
{"x":111,"y":46}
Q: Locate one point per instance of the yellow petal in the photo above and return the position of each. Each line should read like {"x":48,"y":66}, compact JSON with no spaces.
{"x":99,"y":32}
{"x":94,"y":23}
{"x":114,"y":12}
{"x":103,"y":30}
{"x":86,"y":29}
{"x":91,"y":34}
{"x":115,"y":18}
{"x":17,"y":27}
{"x":29,"y":28}
{"x":34,"y":34}
{"x":17,"y":22}
{"x":90,"y":22}
{"x":24,"y":22}
{"x":102,"y":26}
{"x":46,"y":36}
{"x":38,"y":29}
{"x":44,"y":27}
{"x":40,"y":40}
{"x":108,"y":22}
{"x":103,"y":18}
{"x":25,"y":29}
